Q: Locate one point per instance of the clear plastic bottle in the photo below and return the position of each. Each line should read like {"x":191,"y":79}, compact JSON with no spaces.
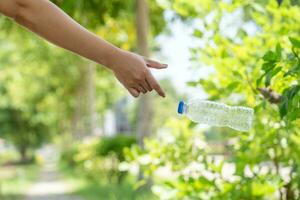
{"x":217,"y":114}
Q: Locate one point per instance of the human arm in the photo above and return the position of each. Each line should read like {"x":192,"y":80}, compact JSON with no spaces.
{"x":48,"y":21}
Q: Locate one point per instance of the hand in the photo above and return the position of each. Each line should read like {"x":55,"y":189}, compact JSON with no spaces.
{"x":133,"y":72}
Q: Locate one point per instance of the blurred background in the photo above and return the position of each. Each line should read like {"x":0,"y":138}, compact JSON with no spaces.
{"x":68,"y":130}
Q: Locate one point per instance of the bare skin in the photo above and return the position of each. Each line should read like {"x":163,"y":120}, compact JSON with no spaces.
{"x":51,"y":23}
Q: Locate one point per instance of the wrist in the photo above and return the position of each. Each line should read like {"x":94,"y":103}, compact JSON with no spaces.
{"x":113,"y":57}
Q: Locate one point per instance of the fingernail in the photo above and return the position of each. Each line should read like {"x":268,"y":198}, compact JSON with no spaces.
{"x":165,"y":65}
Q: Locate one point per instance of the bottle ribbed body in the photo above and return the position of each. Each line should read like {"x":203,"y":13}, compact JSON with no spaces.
{"x":218,"y":114}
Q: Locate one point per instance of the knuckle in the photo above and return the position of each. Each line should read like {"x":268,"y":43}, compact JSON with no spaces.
{"x":139,"y":77}
{"x":145,"y":71}
{"x":132,"y":84}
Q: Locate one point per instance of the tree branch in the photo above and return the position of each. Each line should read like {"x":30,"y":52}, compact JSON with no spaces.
{"x":270,"y":95}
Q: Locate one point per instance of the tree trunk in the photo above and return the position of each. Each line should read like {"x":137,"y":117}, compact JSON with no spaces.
{"x":23,"y":154}
{"x":84,"y":117}
{"x":145,"y":110}
{"x":91,"y":99}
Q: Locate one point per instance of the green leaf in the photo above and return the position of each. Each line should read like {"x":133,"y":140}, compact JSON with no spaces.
{"x":258,"y":7}
{"x":139,"y":184}
{"x":270,"y":56}
{"x":278,"y":50}
{"x":237,"y":74}
{"x":267,"y":66}
{"x":283,"y":107}
{"x":170,"y":184}
{"x":258,"y":81}
{"x":295,"y":42}
{"x":271,"y":74}
{"x":198,"y":33}
{"x":295,"y":114}
{"x":261,"y":189}
{"x":287,"y":99}
{"x":192,"y":83}
{"x":268,"y":80}
{"x":293,"y":71}
{"x":275,"y":71}
{"x":233,"y":86}
{"x":293,"y":91}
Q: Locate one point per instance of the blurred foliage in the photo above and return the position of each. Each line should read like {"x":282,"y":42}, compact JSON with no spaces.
{"x":39,"y":83}
{"x":32,"y":86}
{"x":15,"y":180}
{"x":253,"y":47}
{"x":114,"y":20}
{"x":88,"y":190}
{"x":99,"y":159}
{"x":164,"y":108}
{"x":115,"y":145}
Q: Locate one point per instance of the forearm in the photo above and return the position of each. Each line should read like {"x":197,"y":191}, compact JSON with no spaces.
{"x":45,"y":19}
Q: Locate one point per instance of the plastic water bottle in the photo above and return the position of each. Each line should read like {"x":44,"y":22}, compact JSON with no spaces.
{"x":217,"y":114}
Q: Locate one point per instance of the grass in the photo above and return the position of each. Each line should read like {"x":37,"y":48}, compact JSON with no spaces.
{"x":15,"y":180}
{"x":90,"y":190}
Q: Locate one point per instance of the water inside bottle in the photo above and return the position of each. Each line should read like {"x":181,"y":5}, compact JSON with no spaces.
{"x":218,"y":114}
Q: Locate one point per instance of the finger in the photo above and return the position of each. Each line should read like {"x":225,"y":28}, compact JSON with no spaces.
{"x":154,"y":84}
{"x":155,"y":64}
{"x":149,"y":86}
{"x":133,"y":92}
{"x":141,"y":89}
{"x":146,"y":86}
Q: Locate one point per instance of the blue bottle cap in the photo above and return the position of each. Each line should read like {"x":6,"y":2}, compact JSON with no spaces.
{"x":180,"y":107}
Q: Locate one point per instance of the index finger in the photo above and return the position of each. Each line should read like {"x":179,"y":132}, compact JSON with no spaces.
{"x":154,"y":84}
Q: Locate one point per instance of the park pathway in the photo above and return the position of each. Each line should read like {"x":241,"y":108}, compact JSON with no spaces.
{"x":50,"y":185}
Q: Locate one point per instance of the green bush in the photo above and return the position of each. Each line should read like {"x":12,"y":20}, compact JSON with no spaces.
{"x":99,"y":159}
{"x":67,"y":156}
{"x":115,"y":145}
